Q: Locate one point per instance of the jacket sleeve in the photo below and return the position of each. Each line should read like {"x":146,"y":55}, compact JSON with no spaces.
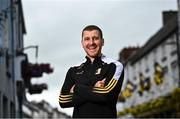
{"x":110,"y":91}
{"x":67,"y":99}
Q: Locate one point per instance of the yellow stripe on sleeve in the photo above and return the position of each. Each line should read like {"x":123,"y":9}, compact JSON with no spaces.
{"x":61,"y":101}
{"x":107,"y":90}
{"x":65,"y":98}
{"x":61,"y":98}
{"x":99,"y":88}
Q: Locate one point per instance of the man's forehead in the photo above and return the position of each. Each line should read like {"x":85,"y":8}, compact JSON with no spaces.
{"x":88,"y":32}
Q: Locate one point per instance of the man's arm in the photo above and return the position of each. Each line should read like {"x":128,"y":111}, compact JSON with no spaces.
{"x":113,"y":83}
{"x":67,"y":98}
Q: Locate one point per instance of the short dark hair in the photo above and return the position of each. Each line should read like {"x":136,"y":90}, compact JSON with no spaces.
{"x":93,"y":27}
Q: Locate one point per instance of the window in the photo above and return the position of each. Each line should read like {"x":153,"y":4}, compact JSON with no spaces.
{"x":174,"y":52}
{"x":146,"y":64}
{"x":166,"y":77}
{"x":163,"y":48}
{"x":147,"y":70}
{"x":0,"y":106}
{"x":164,"y":59}
{"x":133,"y":73}
{"x":174,"y":67}
{"x":5,"y":107}
{"x":173,"y":41}
{"x":154,"y":54}
{"x":134,"y":78}
{"x":165,"y":70}
{"x":12,"y":109}
{"x":140,"y":67}
{"x":6,"y":34}
{"x":1,"y":35}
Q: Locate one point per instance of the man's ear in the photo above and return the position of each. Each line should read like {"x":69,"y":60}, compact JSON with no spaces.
{"x":102,"y":41}
{"x":82,"y":43}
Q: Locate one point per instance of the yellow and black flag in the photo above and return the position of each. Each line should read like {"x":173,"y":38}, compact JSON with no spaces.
{"x":145,"y":84}
{"x":158,"y":73}
{"x":128,"y":91}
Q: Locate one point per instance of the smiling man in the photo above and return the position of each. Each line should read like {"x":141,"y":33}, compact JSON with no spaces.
{"x":93,"y":86}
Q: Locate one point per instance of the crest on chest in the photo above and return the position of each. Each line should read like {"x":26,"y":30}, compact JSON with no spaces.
{"x":98,"y":71}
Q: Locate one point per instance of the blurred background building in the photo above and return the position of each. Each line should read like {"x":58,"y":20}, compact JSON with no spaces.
{"x":41,"y":110}
{"x":16,"y":71}
{"x":12,"y":29}
{"x":151,"y":85}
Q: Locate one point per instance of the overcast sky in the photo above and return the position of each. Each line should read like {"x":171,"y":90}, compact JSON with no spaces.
{"x":56,"y":25}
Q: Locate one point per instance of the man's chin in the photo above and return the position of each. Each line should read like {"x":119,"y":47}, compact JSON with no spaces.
{"x":93,"y":55}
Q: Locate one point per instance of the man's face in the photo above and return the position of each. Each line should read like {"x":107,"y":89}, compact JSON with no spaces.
{"x":92,"y":43}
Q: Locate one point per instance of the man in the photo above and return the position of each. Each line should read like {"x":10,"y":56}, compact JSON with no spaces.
{"x":92,"y":87}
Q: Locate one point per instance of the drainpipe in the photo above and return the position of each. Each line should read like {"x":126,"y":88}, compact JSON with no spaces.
{"x":13,"y":54}
{"x":178,"y":37}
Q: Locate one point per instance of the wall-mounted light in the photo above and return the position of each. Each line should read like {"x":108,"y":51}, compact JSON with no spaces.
{"x":32,"y":46}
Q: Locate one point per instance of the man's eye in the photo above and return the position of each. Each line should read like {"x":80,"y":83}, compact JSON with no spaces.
{"x":86,"y":39}
{"x":96,"y":38}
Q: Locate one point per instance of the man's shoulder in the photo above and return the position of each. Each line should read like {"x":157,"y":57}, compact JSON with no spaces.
{"x":110,"y":60}
{"x":78,"y":65}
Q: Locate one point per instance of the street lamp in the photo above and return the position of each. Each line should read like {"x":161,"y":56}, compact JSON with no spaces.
{"x":32,"y":46}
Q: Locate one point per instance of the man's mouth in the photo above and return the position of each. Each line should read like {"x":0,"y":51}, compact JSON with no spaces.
{"x":92,"y":48}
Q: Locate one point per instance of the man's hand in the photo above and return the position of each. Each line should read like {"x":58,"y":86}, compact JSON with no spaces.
{"x":72,"y":89}
{"x":100,"y":83}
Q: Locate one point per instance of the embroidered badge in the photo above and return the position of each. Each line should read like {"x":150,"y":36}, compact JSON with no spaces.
{"x":98,"y":71}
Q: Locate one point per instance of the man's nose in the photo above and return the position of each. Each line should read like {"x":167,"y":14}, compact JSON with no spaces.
{"x":92,"y":41}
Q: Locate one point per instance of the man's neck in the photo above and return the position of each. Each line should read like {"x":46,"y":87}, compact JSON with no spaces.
{"x":93,"y":58}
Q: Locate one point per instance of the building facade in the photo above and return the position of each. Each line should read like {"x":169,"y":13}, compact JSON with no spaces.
{"x":152,"y":73}
{"x":12,"y":29}
{"x":41,"y":110}
{"x":15,"y":69}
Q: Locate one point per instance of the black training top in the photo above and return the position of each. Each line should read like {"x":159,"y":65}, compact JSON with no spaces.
{"x":87,"y":100}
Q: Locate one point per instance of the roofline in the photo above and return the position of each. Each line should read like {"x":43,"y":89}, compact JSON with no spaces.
{"x":156,"y":39}
{"x":22,"y":15}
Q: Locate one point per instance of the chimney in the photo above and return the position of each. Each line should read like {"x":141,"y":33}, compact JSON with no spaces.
{"x":167,"y":15}
{"x":126,"y":52}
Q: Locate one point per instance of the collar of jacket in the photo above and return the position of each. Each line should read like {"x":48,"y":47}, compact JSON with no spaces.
{"x":96,"y":60}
